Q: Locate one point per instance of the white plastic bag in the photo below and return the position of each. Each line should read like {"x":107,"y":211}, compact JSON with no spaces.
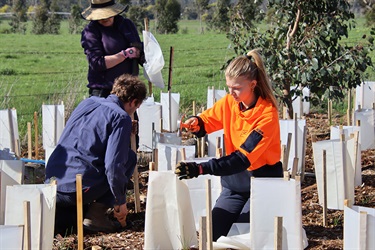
{"x":154,"y":60}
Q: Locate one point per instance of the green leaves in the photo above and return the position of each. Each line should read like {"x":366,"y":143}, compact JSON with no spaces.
{"x":316,"y":58}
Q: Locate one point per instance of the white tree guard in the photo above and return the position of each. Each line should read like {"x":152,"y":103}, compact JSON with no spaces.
{"x":212,"y":139}
{"x":42,"y":198}
{"x":47,"y":153}
{"x":169,"y":155}
{"x":53,"y":119}
{"x":347,"y":131}
{"x":300,"y":106}
{"x":288,"y":126}
{"x":213,"y":95}
{"x":9,"y":135}
{"x":197,"y":190}
{"x":354,"y":232}
{"x":283,"y":199}
{"x":367,"y":121}
{"x":340,"y":171}
{"x":11,"y":237}
{"x":365,"y":95}
{"x":170,"y":112}
{"x":148,"y":113}
{"x":169,"y":222}
{"x":11,"y":173}
{"x":167,"y":138}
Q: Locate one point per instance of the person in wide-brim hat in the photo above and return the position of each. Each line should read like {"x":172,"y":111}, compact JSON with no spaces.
{"x":103,"y":9}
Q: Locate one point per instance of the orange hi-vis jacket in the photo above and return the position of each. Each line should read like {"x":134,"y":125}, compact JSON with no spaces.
{"x":238,"y":125}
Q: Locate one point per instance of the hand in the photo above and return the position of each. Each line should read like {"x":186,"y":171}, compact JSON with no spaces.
{"x":191,"y":124}
{"x":132,"y":52}
{"x":135,"y":127}
{"x":120,"y":213}
{"x":187,"y":170}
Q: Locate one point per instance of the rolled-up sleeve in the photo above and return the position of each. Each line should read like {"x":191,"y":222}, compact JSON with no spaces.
{"x":93,"y":48}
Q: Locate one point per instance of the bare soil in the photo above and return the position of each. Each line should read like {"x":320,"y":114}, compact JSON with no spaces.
{"x":319,"y":237}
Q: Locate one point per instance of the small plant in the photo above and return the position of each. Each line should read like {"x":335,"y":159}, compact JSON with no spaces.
{"x":367,"y":199}
{"x":337,"y":221}
{"x":8,"y":72}
{"x":185,"y":31}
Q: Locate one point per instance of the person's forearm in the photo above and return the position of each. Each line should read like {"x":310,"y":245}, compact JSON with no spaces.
{"x":113,"y":60}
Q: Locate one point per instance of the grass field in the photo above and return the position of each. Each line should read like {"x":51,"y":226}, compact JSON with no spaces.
{"x":37,"y":69}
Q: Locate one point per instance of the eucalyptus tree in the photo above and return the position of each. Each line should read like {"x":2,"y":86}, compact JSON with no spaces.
{"x":168,"y":14}
{"x":302,"y":46}
{"x":19,"y":17}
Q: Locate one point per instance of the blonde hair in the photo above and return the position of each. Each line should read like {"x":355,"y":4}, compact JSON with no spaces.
{"x":252,"y":67}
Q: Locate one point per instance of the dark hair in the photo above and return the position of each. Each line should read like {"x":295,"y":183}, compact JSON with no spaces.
{"x":251,"y":67}
{"x":129,"y":88}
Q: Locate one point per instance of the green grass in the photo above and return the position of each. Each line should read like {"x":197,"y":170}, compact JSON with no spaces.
{"x":37,"y":69}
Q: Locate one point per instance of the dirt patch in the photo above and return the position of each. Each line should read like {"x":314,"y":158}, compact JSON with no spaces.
{"x":319,"y":237}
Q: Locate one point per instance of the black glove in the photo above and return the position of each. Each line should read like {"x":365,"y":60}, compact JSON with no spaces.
{"x":188,"y":170}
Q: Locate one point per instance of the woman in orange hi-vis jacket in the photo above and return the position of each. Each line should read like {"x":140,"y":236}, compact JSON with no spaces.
{"x":249,"y":117}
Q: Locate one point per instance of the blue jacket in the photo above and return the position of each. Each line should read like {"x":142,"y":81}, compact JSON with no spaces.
{"x":94,"y":143}
{"x":99,"y":41}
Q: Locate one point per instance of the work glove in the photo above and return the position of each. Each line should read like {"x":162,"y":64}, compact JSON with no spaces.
{"x":188,"y":170}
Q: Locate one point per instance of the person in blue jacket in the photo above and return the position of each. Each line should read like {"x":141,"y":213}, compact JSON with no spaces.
{"x":95,"y":143}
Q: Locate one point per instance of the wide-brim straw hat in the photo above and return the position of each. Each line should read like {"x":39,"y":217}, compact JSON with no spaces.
{"x":102,"y":9}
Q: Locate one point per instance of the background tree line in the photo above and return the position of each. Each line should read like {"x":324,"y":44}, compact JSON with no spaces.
{"x":217,"y":14}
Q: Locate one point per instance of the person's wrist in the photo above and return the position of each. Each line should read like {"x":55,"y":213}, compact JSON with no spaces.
{"x":200,"y":169}
{"x":123,"y":53}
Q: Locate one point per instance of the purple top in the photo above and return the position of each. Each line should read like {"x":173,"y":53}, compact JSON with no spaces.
{"x":99,"y":41}
{"x":94,"y":143}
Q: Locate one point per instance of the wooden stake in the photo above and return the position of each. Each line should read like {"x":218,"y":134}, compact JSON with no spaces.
{"x":79,"y":211}
{"x":156,"y":159}
{"x":329,"y":112}
{"x":295,"y":167}
{"x":27,"y":226}
{"x":286,"y":158}
{"x":169,"y":87}
{"x":219,"y":150}
{"x":362,"y":230}
{"x":356,"y":148}
{"x":223,"y":153}
{"x":209,"y":215}
{"x":347,"y":203}
{"x":203,"y":143}
{"x":303,"y":153}
{"x":29,"y":142}
{"x":36,"y":143}
{"x":149,"y":83}
{"x":202,"y":233}
{"x":283,"y":157}
{"x":295,"y":136}
{"x":137,"y":200}
{"x":285,"y":111}
{"x":151,"y":166}
{"x":278,"y":233}
{"x":325,"y":224}
{"x":183,"y":154}
{"x":349,"y":110}
{"x":286,"y":176}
